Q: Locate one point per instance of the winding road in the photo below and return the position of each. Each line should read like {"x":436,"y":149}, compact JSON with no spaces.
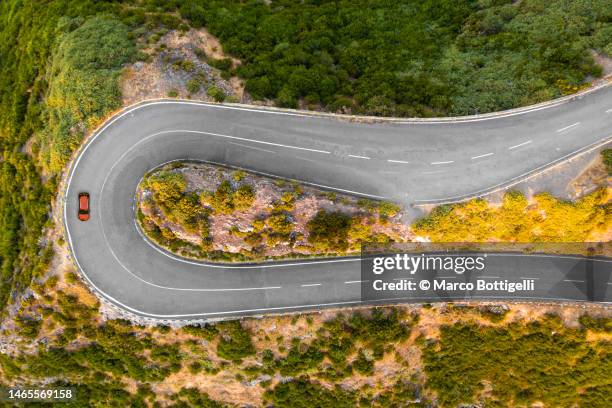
{"x":412,"y":162}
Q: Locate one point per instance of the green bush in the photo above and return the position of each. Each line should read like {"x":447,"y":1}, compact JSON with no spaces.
{"x":540,"y":361}
{"x":302,"y":393}
{"x":194,"y":85}
{"x":235,"y":342}
{"x":328,"y":231}
{"x":408,"y":58}
{"x":606,"y":156}
{"x":216,"y":93}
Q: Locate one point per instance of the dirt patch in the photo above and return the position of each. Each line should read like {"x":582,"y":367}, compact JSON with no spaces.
{"x":595,"y":175}
{"x":604,"y":61}
{"x":176,"y":62}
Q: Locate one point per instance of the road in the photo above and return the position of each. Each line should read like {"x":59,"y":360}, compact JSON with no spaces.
{"x":409,"y":162}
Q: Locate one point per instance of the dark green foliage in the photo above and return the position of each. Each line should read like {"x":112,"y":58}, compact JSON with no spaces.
{"x":606,"y":156}
{"x":408,"y":58}
{"x":341,"y":337}
{"x":197,"y":399}
{"x":235,"y":341}
{"x":54,"y":94}
{"x":208,"y":331}
{"x":216,"y":93}
{"x":328,"y":231}
{"x":542,"y":361}
{"x":302,"y":393}
{"x":596,"y":324}
{"x":83,"y":85}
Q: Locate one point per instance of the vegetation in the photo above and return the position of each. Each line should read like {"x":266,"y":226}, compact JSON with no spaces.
{"x":547,"y":219}
{"x":407,"y":58}
{"x":606,"y":156}
{"x":235,"y":342}
{"x":55,"y":95}
{"x":540,"y":361}
{"x":265,"y":226}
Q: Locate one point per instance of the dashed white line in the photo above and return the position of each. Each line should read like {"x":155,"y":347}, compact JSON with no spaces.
{"x":524,"y":277}
{"x":398,"y":161}
{"x":356,"y":281}
{"x":252,"y":147}
{"x":442,"y":162}
{"x":305,"y":159}
{"x":311,"y":284}
{"x":359,"y":157}
{"x":482,"y":155}
{"x":572,"y":280}
{"x":520,"y":144}
{"x":573,"y":125}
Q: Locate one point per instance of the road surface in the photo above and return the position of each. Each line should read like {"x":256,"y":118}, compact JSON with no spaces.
{"x":408,"y":162}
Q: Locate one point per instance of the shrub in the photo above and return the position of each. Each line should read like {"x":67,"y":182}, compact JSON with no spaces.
{"x":216,"y":93}
{"x":235,"y":342}
{"x":328,"y":231}
{"x":194,"y":85}
{"x":244,"y":197}
{"x":606,"y":156}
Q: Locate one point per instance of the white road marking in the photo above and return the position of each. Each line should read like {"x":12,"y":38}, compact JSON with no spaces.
{"x":488,"y":277}
{"x":568,"y":127}
{"x":244,"y":139}
{"x":311,"y":284}
{"x":519,"y":145}
{"x":523,"y":277}
{"x":398,"y":161}
{"x":572,"y":280}
{"x":305,"y":159}
{"x":442,"y":162}
{"x":359,"y":157}
{"x":252,"y":147}
{"x":609,"y":111}
{"x":517,"y":179}
{"x":356,"y":281}
{"x":482,"y":155}
{"x":446,"y":277}
{"x":399,"y":279}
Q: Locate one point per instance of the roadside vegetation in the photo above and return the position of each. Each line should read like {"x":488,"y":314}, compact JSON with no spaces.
{"x":237,"y":216}
{"x":407,"y":58}
{"x":544,"y":219}
{"x":435,"y":355}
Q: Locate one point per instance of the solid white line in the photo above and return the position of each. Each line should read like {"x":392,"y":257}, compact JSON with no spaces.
{"x":397,"y":161}
{"x":442,"y":162}
{"x":520,"y":144}
{"x":356,"y":281}
{"x":247,"y":140}
{"x":572,"y":280}
{"x":252,"y":147}
{"x":359,"y":157}
{"x":310,"y":284}
{"x":483,"y":155}
{"x":568,"y":127}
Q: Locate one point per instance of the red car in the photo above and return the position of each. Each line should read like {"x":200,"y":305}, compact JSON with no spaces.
{"x":83,"y":206}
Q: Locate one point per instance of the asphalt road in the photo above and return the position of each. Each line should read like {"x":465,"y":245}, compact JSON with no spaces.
{"x":410,"y":162}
